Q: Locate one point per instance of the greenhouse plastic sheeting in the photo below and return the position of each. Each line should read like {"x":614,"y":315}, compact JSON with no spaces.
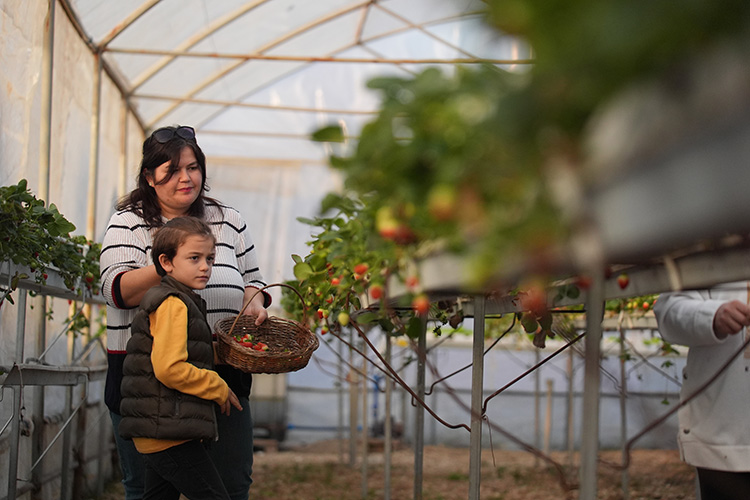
{"x":257,"y":77}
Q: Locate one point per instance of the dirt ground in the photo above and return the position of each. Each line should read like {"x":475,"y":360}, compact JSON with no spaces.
{"x":317,"y":472}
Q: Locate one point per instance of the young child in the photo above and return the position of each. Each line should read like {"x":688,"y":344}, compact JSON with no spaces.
{"x":169,"y":386}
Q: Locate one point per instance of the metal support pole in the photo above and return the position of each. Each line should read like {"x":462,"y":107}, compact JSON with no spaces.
{"x":94,"y":149}
{"x":537,"y":411}
{"x":340,"y":427}
{"x":37,"y":411}
{"x":66,"y":485}
{"x":365,"y":434}
{"x":388,"y":428}
{"x":104,"y":432}
{"x":569,"y":409}
{"x":590,"y":428}
{"x":477,"y":387}
{"x":419,"y":413}
{"x":45,"y":141}
{"x":15,"y":428}
{"x":45,"y":121}
{"x":353,"y":382}
{"x":623,"y":413}
{"x":123,"y":177}
{"x":548,"y":416}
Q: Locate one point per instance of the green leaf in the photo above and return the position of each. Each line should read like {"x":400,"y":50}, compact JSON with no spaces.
{"x":367,"y":317}
{"x":545,"y":321}
{"x":332,"y":133}
{"x":296,"y":258}
{"x":331,"y":201}
{"x":309,"y":222}
{"x":529,"y":323}
{"x":302,"y":271}
{"x":386,"y":325}
{"x":415,"y":327}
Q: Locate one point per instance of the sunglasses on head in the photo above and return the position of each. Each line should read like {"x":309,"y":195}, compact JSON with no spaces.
{"x":166,"y":134}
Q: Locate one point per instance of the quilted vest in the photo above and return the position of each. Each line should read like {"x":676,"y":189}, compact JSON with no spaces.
{"x":149,"y":408}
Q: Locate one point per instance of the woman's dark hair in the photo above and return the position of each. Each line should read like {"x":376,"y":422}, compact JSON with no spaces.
{"x":172,"y":234}
{"x":143,"y":200}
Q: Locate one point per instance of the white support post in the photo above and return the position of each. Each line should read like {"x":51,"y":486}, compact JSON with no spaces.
{"x":590,"y":428}
{"x":477,"y":387}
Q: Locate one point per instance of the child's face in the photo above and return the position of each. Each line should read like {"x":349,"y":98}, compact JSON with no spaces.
{"x":192,"y":263}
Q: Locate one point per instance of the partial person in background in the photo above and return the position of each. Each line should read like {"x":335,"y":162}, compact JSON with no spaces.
{"x":169,"y":388}
{"x":714,"y":426}
{"x":172,"y":183}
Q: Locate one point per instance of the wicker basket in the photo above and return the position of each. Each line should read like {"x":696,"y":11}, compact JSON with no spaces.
{"x":290,"y":344}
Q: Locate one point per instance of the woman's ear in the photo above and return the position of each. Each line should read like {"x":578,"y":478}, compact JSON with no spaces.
{"x":149,"y":178}
{"x":166,"y":264}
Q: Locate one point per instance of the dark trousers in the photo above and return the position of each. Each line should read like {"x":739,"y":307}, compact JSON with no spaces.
{"x":232,"y":454}
{"x":185,"y":469}
{"x":722,"y":485}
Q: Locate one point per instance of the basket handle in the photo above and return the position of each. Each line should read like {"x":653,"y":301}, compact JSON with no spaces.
{"x":259,"y":290}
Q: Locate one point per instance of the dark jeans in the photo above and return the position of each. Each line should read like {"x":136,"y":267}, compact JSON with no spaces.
{"x":722,"y":485}
{"x":186,"y":469}
{"x":232,"y":454}
{"x":131,"y":462}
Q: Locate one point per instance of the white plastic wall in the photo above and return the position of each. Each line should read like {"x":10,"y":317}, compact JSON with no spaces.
{"x":22,"y":26}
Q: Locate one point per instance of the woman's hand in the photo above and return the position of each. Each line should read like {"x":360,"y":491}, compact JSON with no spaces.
{"x":231,"y":400}
{"x":134,"y":284}
{"x":731,"y":318}
{"x":256,"y":307}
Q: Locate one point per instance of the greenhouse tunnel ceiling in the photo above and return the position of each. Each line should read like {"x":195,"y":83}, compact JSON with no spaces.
{"x":256,"y":78}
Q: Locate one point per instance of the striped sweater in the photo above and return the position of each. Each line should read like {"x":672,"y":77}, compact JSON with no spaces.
{"x":127,"y":246}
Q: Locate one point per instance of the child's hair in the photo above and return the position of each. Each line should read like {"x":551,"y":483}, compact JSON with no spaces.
{"x":171,"y":235}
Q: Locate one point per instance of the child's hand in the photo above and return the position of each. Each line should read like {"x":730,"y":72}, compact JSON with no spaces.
{"x":255,"y":307}
{"x":232,"y":400}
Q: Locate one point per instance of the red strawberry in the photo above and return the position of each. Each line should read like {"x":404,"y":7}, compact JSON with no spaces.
{"x":376,"y":291}
{"x":583,"y":282}
{"x":361,"y":268}
{"x":535,"y":300}
{"x":421,"y":304}
{"x":623,"y":281}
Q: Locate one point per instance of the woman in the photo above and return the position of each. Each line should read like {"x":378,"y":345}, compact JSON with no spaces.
{"x":172,"y":183}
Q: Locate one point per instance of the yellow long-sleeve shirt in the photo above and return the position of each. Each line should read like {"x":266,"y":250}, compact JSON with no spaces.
{"x":169,"y":359}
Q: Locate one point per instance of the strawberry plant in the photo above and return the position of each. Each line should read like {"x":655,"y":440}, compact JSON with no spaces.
{"x":349,"y":267}
{"x":486,"y":164}
{"x":38,"y":237}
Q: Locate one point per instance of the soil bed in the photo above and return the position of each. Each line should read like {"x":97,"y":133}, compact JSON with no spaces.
{"x":321,"y":471}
